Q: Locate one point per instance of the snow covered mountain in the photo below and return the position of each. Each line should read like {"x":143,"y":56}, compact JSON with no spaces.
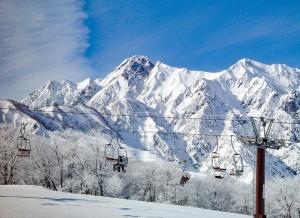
{"x":162,"y":100}
{"x":63,"y":93}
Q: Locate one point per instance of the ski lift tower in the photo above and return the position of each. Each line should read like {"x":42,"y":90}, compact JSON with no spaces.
{"x":262,"y":142}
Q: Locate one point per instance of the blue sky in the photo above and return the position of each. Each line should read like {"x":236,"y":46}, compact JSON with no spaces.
{"x":76,"y":39}
{"x":203,"y":35}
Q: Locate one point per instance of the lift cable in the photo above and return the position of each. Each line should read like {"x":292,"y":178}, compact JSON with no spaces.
{"x":136,"y":114}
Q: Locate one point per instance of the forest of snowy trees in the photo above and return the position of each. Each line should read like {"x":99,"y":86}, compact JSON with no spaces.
{"x":64,"y":166}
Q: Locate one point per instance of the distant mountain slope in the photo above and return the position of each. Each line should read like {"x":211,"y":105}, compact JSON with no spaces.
{"x":161,"y":94}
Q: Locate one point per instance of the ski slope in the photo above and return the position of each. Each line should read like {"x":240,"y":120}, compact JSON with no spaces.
{"x":33,"y":201}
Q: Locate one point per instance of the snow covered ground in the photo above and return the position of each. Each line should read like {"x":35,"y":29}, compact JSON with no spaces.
{"x":33,"y":201}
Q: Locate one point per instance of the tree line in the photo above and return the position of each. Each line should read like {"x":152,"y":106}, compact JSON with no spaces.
{"x":66,"y":166}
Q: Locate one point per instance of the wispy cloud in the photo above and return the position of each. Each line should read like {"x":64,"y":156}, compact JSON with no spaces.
{"x":40,"y":41}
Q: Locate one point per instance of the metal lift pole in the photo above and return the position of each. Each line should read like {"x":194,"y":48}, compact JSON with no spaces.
{"x":260,"y":183}
{"x":260,"y":171}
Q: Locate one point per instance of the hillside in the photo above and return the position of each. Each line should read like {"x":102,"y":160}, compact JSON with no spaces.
{"x":162,"y":101}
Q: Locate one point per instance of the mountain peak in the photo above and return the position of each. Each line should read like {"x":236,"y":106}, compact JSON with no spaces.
{"x":135,"y":61}
{"x":136,"y":66}
{"x":246,"y":62}
{"x":83,"y":84}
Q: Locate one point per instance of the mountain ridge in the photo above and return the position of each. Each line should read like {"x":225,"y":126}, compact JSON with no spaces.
{"x":141,"y":86}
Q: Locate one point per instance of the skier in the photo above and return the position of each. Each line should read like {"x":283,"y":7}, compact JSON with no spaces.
{"x":184,"y":179}
{"x":120,"y":165}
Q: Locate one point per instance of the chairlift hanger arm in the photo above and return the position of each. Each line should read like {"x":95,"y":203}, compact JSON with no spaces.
{"x":254,"y":127}
{"x":231,"y":142}
{"x":269,"y":128}
{"x":22,"y":129}
{"x":118,"y":142}
{"x":217,"y":142}
{"x":111,"y":136}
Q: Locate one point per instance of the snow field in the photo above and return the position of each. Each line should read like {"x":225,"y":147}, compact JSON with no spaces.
{"x":20,"y":201}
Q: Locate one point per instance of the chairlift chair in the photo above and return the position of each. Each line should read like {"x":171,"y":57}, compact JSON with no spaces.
{"x":122,"y":152}
{"x":23,"y":144}
{"x":117,"y":155}
{"x":237,"y":162}
{"x":215,"y":160}
{"x":232,"y":172}
{"x":216,"y":163}
{"x":111,"y":154}
{"x":122,"y":160}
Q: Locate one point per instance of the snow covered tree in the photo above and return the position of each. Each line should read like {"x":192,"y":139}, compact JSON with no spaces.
{"x":113,"y":186}
{"x":284,"y":197}
{"x":44,"y":163}
{"x":8,"y":154}
{"x":98,"y":166}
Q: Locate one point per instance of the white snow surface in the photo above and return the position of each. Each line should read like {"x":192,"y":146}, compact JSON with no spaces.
{"x":154,"y":89}
{"x":31,"y":201}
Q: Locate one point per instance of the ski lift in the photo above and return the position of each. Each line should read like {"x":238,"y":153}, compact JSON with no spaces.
{"x":122,"y":160}
{"x":215,"y":159}
{"x":23,"y":144}
{"x":216,"y":163}
{"x":117,"y":155}
{"x":237,"y":162}
{"x":110,"y":152}
{"x":122,"y":152}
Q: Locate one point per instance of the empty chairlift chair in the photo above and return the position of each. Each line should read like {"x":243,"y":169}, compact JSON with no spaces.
{"x":111,"y":153}
{"x":238,"y":165}
{"x":23,"y":144}
{"x":216,"y":163}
